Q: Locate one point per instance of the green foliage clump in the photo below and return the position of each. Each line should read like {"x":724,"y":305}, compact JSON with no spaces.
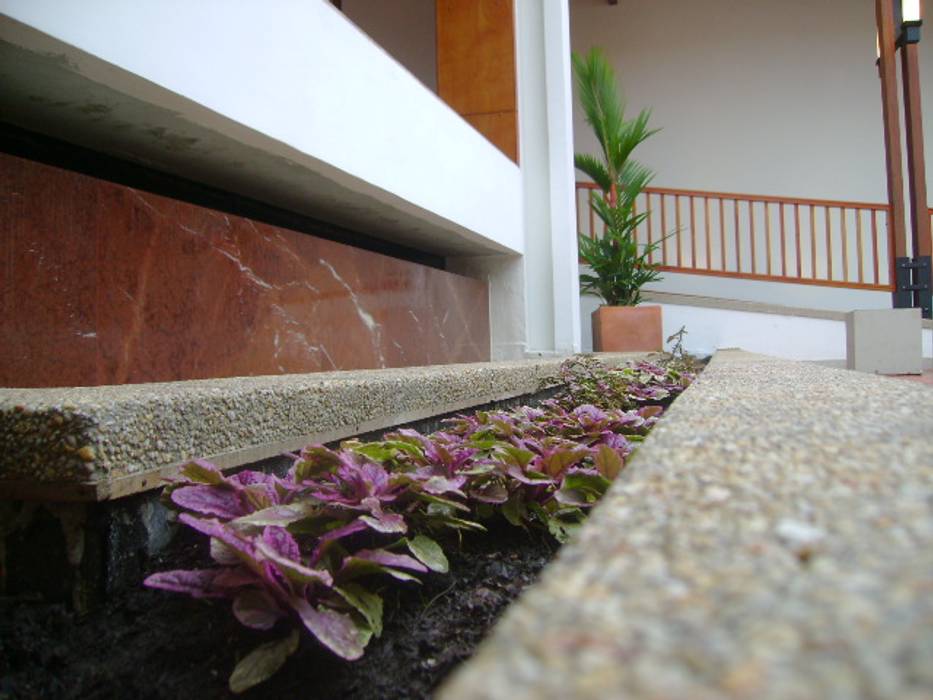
{"x":620,"y":265}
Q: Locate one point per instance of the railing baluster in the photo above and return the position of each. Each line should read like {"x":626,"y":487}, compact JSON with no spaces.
{"x":722,"y":233}
{"x":812,"y":243}
{"x":768,"y":236}
{"x":735,"y":223}
{"x":874,"y":247}
{"x":589,"y":197}
{"x":783,"y":243}
{"x":634,"y":214}
{"x":648,"y":210}
{"x":751,"y":228}
{"x":677,"y":224}
{"x":829,"y":245}
{"x":709,"y":256}
{"x":693,"y":236}
{"x":858,"y":245}
{"x":797,"y":237}
{"x":845,"y":245}
{"x":663,"y":231}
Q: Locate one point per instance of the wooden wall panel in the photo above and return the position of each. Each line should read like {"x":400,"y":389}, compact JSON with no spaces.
{"x":476,"y":66}
{"x":499,"y":128}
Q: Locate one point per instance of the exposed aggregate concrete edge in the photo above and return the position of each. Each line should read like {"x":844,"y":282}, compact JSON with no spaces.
{"x":772,"y":538}
{"x":94,"y":434}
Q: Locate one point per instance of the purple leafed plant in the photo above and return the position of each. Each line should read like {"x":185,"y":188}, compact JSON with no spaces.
{"x":307,"y":549}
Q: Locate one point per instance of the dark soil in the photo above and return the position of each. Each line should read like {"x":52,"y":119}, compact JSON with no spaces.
{"x":153,"y":644}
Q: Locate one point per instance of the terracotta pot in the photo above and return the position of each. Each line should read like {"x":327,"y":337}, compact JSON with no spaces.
{"x":627,"y":329}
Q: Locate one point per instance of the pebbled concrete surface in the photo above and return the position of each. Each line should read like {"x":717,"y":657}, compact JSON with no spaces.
{"x":773,"y":538}
{"x":89,"y":435}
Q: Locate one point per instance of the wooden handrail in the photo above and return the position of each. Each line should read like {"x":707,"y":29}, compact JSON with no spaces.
{"x":712,"y":194}
{"x":762,"y":237}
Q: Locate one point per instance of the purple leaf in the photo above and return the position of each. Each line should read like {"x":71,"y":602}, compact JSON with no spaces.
{"x":493,"y":491}
{"x":384,"y":558}
{"x":256,"y":609}
{"x":248,"y":477}
{"x":213,"y":528}
{"x":334,"y":630}
{"x":439,"y":485}
{"x":223,"y":554}
{"x":281,"y":542}
{"x":516,"y":473}
{"x":209,"y":500}
{"x":198,"y":583}
{"x":293,"y":570}
{"x":230,"y":578}
{"x":386,"y":522}
{"x":332,"y":535}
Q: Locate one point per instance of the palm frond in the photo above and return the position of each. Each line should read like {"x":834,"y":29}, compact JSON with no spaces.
{"x":618,"y":264}
{"x":594,"y":169}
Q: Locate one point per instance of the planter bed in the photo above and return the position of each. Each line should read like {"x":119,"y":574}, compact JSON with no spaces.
{"x":148,"y":644}
{"x":151,"y":644}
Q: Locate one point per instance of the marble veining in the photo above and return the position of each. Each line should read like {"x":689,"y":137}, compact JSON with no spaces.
{"x":104,"y":284}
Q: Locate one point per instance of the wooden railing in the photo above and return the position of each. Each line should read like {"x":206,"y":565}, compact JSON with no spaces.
{"x":778,"y":239}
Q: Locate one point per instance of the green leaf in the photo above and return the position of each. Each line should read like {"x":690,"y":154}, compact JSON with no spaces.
{"x":562,"y":531}
{"x":557,"y":462}
{"x":429,"y":553}
{"x":593,"y":483}
{"x":459,"y":523}
{"x":387,"y":450}
{"x":478,"y":470}
{"x":514,"y":509}
{"x":278,"y":516}
{"x":516,"y":455}
{"x":315,"y":462}
{"x":353,"y":567}
{"x":202,"y":475}
{"x":262,"y":662}
{"x":439,"y":501}
{"x":369,"y":605}
{"x":608,"y":462}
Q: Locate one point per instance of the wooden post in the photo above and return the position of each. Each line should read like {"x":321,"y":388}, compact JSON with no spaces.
{"x":916,"y":173}
{"x":884,"y":17}
{"x":916,"y":176}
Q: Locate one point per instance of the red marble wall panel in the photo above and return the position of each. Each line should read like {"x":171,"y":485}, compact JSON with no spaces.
{"x":104,"y":284}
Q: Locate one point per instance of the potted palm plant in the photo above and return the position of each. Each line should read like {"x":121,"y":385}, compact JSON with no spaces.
{"x":619,"y":266}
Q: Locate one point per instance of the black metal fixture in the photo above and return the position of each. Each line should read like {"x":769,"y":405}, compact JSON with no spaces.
{"x":908,"y":18}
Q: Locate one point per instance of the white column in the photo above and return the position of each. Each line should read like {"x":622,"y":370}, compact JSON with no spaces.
{"x":552,"y":312}
{"x":565,"y":271}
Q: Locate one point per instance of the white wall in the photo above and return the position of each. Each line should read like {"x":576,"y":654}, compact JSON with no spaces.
{"x":405,"y":28}
{"x":790,"y":337}
{"x":802,"y":296}
{"x":301,"y":81}
{"x":760,"y":97}
{"x":756,"y":96}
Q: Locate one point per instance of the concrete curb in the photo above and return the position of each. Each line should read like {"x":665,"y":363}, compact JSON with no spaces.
{"x":772,"y":538}
{"x":98,"y":443}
